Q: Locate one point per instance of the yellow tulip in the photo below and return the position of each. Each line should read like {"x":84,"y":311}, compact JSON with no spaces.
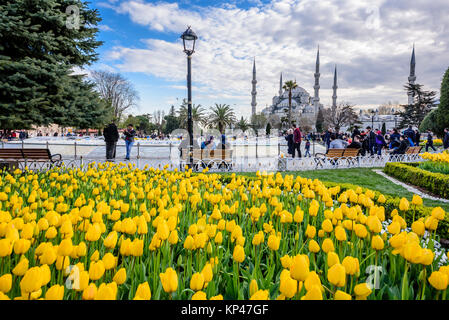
{"x":362,"y":290}
{"x":96,"y":270}
{"x":314,"y":246}
{"x":327,"y":245}
{"x":169,"y":280}
{"x":238,"y":254}
{"x":31,"y":281}
{"x":273,"y":242}
{"x":332,"y":259}
{"x":288,"y":286}
{"x":5,"y":283}
{"x":340,"y":295}
{"x":143,"y":291}
{"x":253,"y":287}
{"x":299,"y":269}
{"x":404,"y":204}
{"x":21,"y":268}
{"x":260,"y":295}
{"x":55,"y":292}
{"x":377,"y":243}
{"x":90,"y":292}
{"x":337,"y":275}
{"x":315,"y":293}
{"x":439,"y":280}
{"x":197,"y":282}
{"x":120,"y":276}
{"x":199,"y":295}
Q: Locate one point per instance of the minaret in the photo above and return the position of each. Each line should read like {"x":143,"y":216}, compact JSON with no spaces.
{"x":412,"y":76}
{"x":280,"y":86}
{"x":254,"y":92}
{"x":316,"y":99}
{"x":334,"y":87}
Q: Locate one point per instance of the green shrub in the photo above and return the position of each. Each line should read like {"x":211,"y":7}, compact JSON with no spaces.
{"x":435,"y":183}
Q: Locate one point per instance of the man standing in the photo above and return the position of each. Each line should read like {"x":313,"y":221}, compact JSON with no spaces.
{"x":430,"y":141}
{"x":111,"y":136}
{"x":356,"y":132}
{"x":371,"y":136}
{"x":446,"y":138}
{"x":297,"y":136}
{"x":411,"y":134}
{"x":130,"y":133}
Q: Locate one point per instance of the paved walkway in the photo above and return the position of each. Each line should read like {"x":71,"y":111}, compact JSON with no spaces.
{"x":409,"y":188}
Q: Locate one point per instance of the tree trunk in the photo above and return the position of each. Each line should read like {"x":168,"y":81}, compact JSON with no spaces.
{"x":290,"y":108}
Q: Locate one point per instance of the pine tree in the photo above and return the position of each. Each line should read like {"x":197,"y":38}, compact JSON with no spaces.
{"x":319,"y":121}
{"x":443,"y":109}
{"x":38,"y":51}
{"x":415,"y":113}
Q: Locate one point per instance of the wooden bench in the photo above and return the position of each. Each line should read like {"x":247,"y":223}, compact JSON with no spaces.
{"x":413,"y":150}
{"x":335,"y":156}
{"x":207,"y":158}
{"x":12,"y":157}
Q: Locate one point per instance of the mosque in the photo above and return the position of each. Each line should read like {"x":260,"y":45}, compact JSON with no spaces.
{"x":304,"y":105}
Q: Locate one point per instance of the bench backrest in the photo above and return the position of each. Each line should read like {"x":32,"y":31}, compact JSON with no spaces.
{"x":41,"y":154}
{"x":351,"y":152}
{"x":222,"y":154}
{"x":11,"y":154}
{"x":335,"y":153}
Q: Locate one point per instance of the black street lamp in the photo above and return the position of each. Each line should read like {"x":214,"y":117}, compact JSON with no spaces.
{"x":188,"y":39}
{"x":372,"y":119}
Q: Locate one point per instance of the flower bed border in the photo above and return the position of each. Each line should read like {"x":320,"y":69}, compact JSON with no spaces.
{"x":435,"y":183}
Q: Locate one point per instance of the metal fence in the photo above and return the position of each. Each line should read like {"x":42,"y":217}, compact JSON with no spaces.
{"x":166,"y":150}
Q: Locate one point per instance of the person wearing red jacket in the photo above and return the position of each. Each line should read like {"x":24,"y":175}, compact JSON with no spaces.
{"x":297,"y":137}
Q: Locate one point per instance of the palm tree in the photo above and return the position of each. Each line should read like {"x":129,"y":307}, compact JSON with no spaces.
{"x":242,"y":124}
{"x":221,"y":116}
{"x":198,"y":114}
{"x":290,"y":85}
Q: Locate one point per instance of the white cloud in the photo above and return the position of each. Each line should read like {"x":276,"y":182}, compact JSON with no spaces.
{"x":370,"y":41}
{"x":104,"y":27}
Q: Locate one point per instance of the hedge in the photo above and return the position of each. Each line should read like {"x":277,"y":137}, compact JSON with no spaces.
{"x":390,"y":204}
{"x":435,"y":183}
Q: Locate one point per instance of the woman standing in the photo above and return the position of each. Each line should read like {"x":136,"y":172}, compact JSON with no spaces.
{"x":290,"y":142}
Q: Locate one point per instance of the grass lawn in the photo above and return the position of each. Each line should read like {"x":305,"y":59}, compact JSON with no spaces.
{"x":363,"y":177}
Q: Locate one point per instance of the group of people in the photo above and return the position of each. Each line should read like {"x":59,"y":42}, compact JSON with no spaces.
{"x":294,"y":139}
{"x":371,"y":142}
{"x":111,"y":136}
{"x":14,"y":135}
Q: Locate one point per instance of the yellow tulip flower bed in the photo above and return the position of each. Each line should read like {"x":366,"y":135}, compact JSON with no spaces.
{"x":116,"y":232}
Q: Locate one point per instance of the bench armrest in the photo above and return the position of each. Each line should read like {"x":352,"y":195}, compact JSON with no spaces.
{"x":56,"y":155}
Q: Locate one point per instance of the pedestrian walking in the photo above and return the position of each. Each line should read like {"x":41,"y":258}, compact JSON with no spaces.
{"x":307,"y":148}
{"x":130,"y":133}
{"x":297,"y":136}
{"x":111,"y":136}
{"x":430,"y":141}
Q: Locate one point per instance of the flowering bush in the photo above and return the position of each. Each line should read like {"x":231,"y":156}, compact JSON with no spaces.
{"x":116,"y":232}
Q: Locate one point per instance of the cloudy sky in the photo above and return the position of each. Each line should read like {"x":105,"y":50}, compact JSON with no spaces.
{"x":370,"y":41}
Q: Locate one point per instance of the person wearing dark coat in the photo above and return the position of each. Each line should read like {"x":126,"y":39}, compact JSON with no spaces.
{"x":429,"y":143}
{"x":411,"y":134}
{"x":402,"y":146}
{"x":290,"y":142}
{"x":111,"y":136}
{"x":446,"y":138}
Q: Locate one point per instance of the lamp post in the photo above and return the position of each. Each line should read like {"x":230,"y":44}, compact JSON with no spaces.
{"x":372,"y":119}
{"x":188,"y":39}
